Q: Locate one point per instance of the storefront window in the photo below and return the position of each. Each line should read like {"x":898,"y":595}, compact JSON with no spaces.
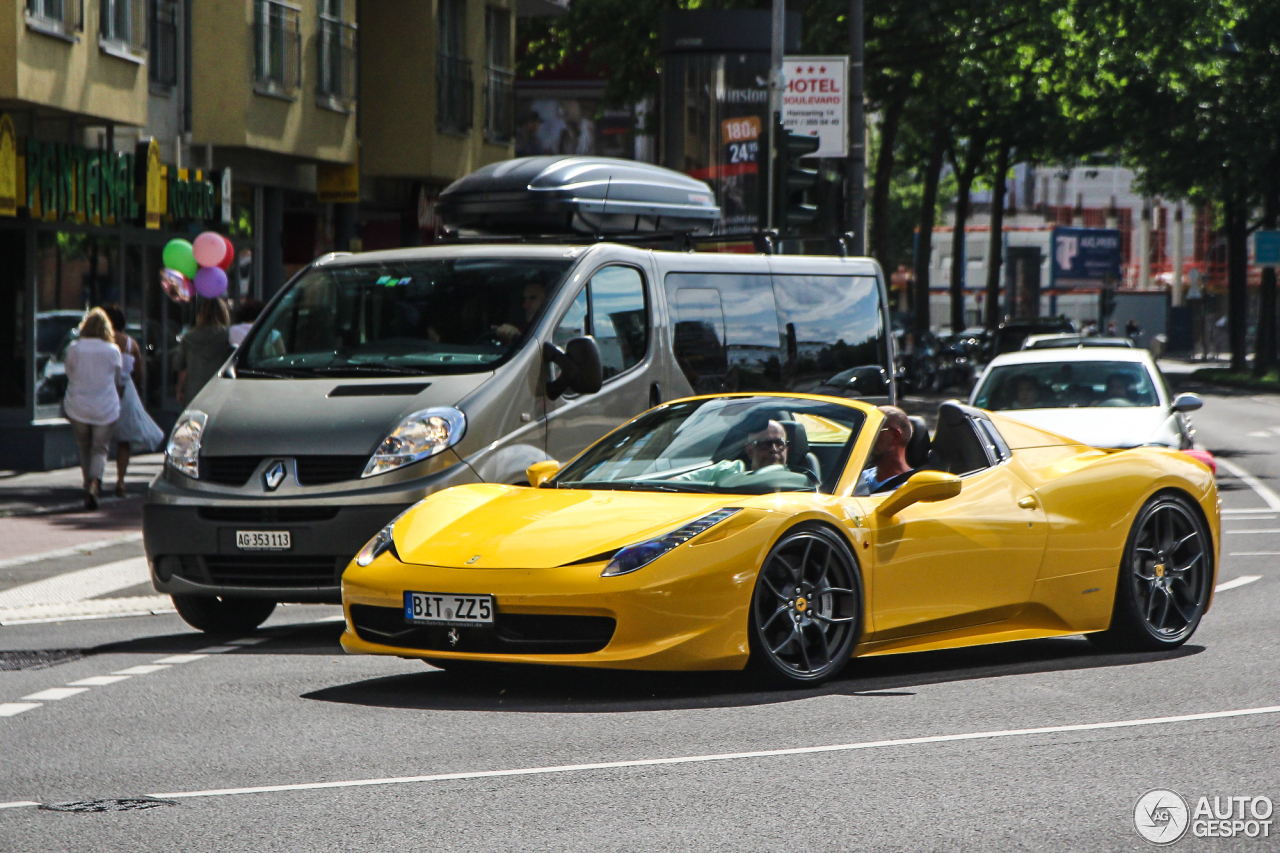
{"x":14,"y":364}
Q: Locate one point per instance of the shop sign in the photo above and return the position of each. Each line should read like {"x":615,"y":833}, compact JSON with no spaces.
{"x":8,"y":168}
{"x":1087,"y":257}
{"x":814,"y":103}
{"x":338,"y":183}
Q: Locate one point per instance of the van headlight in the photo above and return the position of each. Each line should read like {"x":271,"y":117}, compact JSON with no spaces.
{"x":382,"y":542}
{"x":183,"y":451}
{"x":421,"y":435}
{"x":641,"y":554}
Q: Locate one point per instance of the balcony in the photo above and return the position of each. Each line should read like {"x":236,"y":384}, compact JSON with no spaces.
{"x":122,"y":29}
{"x":455,"y":94}
{"x":499,"y":106}
{"x":277,"y":49}
{"x":336,"y":64}
{"x":58,"y":18}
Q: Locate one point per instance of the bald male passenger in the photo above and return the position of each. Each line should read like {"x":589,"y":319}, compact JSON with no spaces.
{"x":887,"y":466}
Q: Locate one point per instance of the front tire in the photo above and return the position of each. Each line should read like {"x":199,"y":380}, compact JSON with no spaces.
{"x":806,"y":611}
{"x":1164,"y":581}
{"x":222,"y":614}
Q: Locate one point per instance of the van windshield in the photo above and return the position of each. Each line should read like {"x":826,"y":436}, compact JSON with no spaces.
{"x":448,"y":315}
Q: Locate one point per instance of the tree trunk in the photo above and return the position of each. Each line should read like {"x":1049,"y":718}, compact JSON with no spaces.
{"x":924,"y":237}
{"x":881,"y":249}
{"x":995,"y":253}
{"x":964,"y":179}
{"x":1237,"y":270}
{"x":1264,"y":356}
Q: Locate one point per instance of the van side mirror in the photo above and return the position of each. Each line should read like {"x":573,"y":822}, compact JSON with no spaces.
{"x":1186,"y":403}
{"x":580,"y":368}
{"x":539,"y":472}
{"x":921,"y":486}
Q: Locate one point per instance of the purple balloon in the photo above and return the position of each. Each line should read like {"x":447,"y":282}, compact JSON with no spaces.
{"x":211,"y":282}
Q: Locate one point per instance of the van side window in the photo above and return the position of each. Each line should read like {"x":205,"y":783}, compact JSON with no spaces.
{"x":831,"y":324}
{"x":574,"y":323}
{"x":699,"y":338}
{"x":753,"y":343}
{"x":619,"y":320}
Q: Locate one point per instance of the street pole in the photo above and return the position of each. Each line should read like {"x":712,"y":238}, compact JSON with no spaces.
{"x":776,"y":84}
{"x":1178,"y":290}
{"x":855,"y":177}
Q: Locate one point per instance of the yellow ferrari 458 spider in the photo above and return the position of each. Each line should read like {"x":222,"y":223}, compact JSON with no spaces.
{"x":752,"y":530}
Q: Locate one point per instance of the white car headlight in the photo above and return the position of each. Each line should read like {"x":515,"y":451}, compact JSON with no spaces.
{"x":641,"y":554}
{"x":183,"y":451}
{"x":417,"y":437}
{"x":382,"y":542}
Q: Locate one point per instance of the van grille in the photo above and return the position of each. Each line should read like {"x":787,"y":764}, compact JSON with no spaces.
{"x":322,"y":470}
{"x":228,"y":470}
{"x":264,"y":571}
{"x":512,"y":633}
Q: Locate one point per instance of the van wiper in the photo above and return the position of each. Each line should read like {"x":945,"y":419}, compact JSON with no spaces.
{"x":379,"y":369}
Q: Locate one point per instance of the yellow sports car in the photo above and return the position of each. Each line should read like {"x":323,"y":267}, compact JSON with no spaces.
{"x":757,"y":531}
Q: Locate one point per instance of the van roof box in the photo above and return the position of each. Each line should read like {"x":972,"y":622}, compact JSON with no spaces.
{"x":577,"y":195}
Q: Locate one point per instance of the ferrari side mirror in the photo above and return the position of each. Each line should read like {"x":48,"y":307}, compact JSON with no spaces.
{"x":920,"y":486}
{"x":1186,"y":403}
{"x":539,"y":472}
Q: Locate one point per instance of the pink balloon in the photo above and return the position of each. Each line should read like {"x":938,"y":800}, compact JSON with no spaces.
{"x":230,"y":255}
{"x":209,"y":249}
{"x":211,"y":282}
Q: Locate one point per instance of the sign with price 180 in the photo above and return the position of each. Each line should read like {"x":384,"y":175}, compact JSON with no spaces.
{"x":742,"y":138}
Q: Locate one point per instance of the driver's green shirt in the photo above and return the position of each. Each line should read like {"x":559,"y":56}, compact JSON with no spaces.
{"x":734,"y":472}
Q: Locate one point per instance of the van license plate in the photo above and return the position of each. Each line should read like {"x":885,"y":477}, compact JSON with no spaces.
{"x":264,"y":540}
{"x":443,"y":608}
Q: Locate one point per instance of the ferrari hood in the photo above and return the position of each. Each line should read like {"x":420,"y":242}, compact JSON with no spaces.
{"x":1101,"y":426}
{"x":491,"y":526}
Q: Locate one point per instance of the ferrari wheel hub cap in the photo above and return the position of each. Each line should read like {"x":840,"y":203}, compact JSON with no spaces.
{"x":801,"y":605}
{"x":1159,"y":570}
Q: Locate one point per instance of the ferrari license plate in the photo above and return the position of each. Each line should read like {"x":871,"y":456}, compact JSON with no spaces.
{"x":264,"y":540}
{"x":444,"y":608}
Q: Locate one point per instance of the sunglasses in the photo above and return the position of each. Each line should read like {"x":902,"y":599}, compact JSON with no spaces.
{"x":770,"y":443}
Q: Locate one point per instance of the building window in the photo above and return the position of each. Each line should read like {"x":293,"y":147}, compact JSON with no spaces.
{"x":277,"y":48}
{"x":455,"y":91}
{"x":122,"y":27}
{"x":336,"y":58}
{"x":62,"y":18}
{"x":162,"y":67}
{"x":499,"y":87}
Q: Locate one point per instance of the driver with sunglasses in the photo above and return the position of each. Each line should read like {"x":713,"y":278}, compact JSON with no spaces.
{"x":766,"y":451}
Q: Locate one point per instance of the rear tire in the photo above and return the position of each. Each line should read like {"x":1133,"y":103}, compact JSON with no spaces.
{"x":806,"y":612}
{"x":1164,"y":581}
{"x":222,"y":614}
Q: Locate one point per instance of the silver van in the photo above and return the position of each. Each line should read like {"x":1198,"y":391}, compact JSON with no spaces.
{"x":373,"y":380}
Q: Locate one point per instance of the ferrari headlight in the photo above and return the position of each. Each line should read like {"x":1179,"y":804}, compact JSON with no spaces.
{"x":381,"y":543}
{"x":183,"y":451}
{"x":641,"y":554}
{"x":417,"y":437}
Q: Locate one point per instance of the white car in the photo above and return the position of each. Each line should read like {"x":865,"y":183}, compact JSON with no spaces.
{"x":1103,"y":397}
{"x":1073,"y":341}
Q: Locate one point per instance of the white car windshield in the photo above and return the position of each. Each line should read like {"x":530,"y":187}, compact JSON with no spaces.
{"x":733,"y":445}
{"x":1067,"y":385}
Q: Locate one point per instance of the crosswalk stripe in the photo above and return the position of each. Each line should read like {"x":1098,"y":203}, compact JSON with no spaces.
{"x":78,"y":585}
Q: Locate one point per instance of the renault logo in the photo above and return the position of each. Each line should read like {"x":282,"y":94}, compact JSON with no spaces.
{"x":274,"y":476}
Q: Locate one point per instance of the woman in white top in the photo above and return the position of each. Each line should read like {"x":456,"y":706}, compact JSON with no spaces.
{"x":92,"y":401}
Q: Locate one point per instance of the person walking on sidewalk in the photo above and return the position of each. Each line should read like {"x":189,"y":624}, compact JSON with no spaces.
{"x":135,"y":426}
{"x":203,"y":349}
{"x":92,"y":401}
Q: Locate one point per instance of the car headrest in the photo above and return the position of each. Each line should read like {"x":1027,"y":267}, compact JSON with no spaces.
{"x":918,"y":446}
{"x":797,"y":444}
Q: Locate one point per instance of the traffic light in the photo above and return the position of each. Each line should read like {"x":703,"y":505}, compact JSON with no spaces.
{"x":791,"y":180}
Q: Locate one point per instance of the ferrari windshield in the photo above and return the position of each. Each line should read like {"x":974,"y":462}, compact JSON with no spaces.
{"x":447,"y":315}
{"x":1067,"y":385}
{"x":731,"y":445}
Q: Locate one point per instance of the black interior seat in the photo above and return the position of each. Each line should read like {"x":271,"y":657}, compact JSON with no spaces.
{"x":918,"y":446}
{"x":798,"y":456}
{"x":956,"y":448}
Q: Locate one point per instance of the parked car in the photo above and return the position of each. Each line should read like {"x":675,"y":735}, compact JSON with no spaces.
{"x":1073,"y":341}
{"x":1011,"y":333}
{"x":1104,"y":397}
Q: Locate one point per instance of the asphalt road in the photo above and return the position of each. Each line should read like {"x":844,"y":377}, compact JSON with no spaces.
{"x":934,"y":751}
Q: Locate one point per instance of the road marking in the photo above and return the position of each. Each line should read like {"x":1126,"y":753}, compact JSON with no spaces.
{"x":18,"y":804}
{"x":1256,"y":518}
{"x":1244,"y":512}
{"x":86,"y":548}
{"x":1259,"y":433}
{"x":143,"y":669}
{"x":1237,"y":583}
{"x":724,"y":756}
{"x":78,"y":585}
{"x":98,"y":680}
{"x":1269,"y":497}
{"x":1257,"y":530}
{"x":180,"y":658}
{"x":248,"y":641}
{"x":8,"y":709}
{"x":1254,"y":554}
{"x":216,"y":650}
{"x":98,"y":608}
{"x":53,"y":694}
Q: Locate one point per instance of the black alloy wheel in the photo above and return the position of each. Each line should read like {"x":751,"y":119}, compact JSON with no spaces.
{"x":806,"y":611}
{"x":222,"y":614}
{"x":1164,"y":581}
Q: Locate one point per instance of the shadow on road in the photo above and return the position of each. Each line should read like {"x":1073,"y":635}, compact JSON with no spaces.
{"x":571,"y":690}
{"x":318,"y":638}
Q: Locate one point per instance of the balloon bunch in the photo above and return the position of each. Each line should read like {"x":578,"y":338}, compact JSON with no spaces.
{"x":197,"y":268}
